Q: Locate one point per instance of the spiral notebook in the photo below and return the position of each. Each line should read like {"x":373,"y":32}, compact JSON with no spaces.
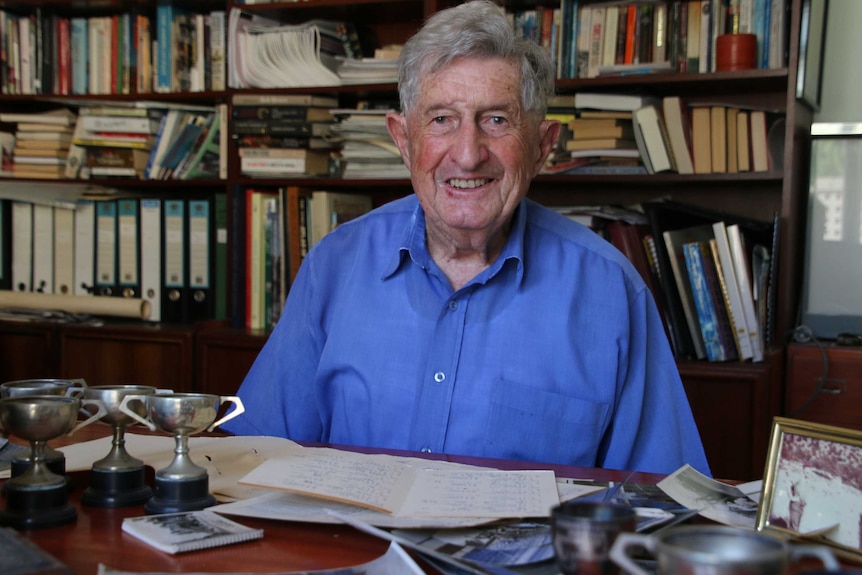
{"x":188,"y":531}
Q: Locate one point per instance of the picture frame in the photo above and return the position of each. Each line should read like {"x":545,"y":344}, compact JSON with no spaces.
{"x":812,"y":487}
{"x":811,"y":44}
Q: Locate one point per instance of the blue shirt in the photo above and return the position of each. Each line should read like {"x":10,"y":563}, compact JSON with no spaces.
{"x":556,"y":353}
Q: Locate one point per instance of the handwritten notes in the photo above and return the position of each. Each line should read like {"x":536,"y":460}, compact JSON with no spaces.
{"x":380,"y":482}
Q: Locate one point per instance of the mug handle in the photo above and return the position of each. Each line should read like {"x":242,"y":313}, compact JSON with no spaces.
{"x":239,"y":409}
{"x":77,"y":388}
{"x":619,"y":551}
{"x":101,"y":411}
{"x":830,"y":563}
{"x":123,"y":407}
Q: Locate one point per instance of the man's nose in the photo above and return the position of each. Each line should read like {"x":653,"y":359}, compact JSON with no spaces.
{"x":470,"y":145}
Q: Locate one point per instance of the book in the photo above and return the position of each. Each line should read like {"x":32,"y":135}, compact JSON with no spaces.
{"x":57,"y":117}
{"x":612,"y":102}
{"x":730,"y":289}
{"x":743,"y":151}
{"x":188,"y":530}
{"x":759,"y":145}
{"x":718,"y":139}
{"x":330,"y":209}
{"x":285,"y":100}
{"x":284,"y":161}
{"x":732,"y":140}
{"x":282,"y":113}
{"x":653,"y":143}
{"x":697,"y":259}
{"x":678,"y":133}
{"x":601,"y":143}
{"x":701,"y":140}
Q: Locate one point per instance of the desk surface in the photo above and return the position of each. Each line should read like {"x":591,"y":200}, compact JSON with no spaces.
{"x":96,"y":536}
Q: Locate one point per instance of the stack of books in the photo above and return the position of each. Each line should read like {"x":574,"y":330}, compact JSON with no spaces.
{"x":368,"y":150}
{"x":113,"y":141}
{"x":284,"y":134}
{"x":42,"y":142}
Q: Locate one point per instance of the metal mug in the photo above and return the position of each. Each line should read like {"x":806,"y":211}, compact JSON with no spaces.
{"x":583,"y":532}
{"x":715,"y":550}
{"x":22,"y":387}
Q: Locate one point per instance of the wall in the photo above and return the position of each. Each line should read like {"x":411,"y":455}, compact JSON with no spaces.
{"x":841,"y":98}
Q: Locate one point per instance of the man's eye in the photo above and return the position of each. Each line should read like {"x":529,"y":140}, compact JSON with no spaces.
{"x":439,"y":120}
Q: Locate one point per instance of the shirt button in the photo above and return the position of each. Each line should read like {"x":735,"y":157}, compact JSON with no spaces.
{"x":453,"y":305}
{"x":426,"y":450}
{"x":439,"y":377}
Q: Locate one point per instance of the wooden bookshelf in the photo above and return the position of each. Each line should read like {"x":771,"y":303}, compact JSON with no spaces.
{"x":733,"y":403}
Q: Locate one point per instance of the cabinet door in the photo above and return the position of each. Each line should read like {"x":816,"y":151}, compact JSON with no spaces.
{"x":824,"y":384}
{"x":733,"y":409}
{"x":27,"y":351}
{"x":161,"y":357}
{"x":223,"y":357}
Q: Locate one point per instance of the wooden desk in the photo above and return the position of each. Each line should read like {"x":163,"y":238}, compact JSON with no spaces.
{"x":96,"y":537}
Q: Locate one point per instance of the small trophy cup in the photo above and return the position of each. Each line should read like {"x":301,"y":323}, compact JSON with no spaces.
{"x":117,"y":480}
{"x":37,"y":497}
{"x":65,"y":387}
{"x":182,"y":485}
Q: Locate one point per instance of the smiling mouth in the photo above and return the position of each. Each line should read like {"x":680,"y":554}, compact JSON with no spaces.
{"x":461,"y":184}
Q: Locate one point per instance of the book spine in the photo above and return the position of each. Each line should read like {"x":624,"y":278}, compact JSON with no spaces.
{"x":703,"y":301}
{"x":249,"y":127}
{"x":164,"y":24}
{"x":218,"y":50}
{"x":271,"y":113}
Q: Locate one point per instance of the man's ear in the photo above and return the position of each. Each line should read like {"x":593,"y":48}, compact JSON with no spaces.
{"x":397,"y":125}
{"x":549,"y":133}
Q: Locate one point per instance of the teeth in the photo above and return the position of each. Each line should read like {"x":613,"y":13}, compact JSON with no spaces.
{"x":467,"y":184}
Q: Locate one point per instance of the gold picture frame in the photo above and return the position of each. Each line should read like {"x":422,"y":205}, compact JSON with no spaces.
{"x":812,"y":482}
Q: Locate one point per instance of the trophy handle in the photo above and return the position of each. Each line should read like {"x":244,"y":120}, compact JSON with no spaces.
{"x":149,"y":424}
{"x":100,"y":413}
{"x":239,"y":409}
{"x":78,"y":387}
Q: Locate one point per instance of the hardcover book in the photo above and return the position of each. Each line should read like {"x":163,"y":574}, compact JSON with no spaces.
{"x":188,"y":531}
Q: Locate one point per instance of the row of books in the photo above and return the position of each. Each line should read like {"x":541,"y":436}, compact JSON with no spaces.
{"x":588,"y":40}
{"x":273,"y":231}
{"x":708,"y":139}
{"x":643,"y":134}
{"x":172,"y":50}
{"x":170,"y":252}
{"x":120,"y":140}
{"x":710,"y":273}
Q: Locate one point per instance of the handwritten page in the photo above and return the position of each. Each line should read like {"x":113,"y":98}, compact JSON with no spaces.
{"x":385,"y":484}
{"x":370,"y":480}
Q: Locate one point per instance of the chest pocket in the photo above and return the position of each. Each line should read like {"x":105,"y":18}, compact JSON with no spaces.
{"x":537,"y":425}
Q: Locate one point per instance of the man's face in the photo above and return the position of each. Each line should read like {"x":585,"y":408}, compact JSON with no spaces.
{"x":470,"y":148}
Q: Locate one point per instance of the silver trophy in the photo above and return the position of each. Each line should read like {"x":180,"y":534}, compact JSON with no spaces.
{"x":37,"y":497}
{"x":182,"y":485}
{"x":24,"y":387}
{"x":117,"y":480}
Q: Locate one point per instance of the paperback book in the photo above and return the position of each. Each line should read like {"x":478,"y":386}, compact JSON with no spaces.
{"x":188,"y":531}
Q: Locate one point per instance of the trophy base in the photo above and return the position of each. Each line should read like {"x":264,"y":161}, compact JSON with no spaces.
{"x":37,"y":508}
{"x":116,"y":488}
{"x":55,"y":464}
{"x":172,"y":496}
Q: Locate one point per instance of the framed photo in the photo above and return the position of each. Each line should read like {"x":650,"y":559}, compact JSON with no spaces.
{"x":811,"y":37}
{"x":812,"y":486}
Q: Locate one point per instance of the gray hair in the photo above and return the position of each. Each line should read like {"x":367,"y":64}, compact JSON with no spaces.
{"x":475,"y":29}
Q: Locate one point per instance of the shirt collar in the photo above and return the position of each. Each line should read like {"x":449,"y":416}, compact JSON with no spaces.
{"x":413,"y":246}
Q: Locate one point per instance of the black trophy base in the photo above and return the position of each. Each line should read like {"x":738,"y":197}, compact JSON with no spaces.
{"x":55,"y":464}
{"x":37,"y":508}
{"x":173,"y":496}
{"x":116,"y":488}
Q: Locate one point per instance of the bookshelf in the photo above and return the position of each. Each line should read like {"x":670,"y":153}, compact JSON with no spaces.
{"x":733,"y":402}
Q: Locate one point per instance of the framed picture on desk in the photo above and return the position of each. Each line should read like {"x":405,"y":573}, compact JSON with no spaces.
{"x":812,"y":486}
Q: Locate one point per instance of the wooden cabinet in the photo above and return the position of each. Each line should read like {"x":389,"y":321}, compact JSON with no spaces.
{"x":824,"y":384}
{"x":27,"y":351}
{"x":223,"y":357}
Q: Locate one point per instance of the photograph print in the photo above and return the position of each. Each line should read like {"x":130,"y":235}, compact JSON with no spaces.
{"x":812,"y":485}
